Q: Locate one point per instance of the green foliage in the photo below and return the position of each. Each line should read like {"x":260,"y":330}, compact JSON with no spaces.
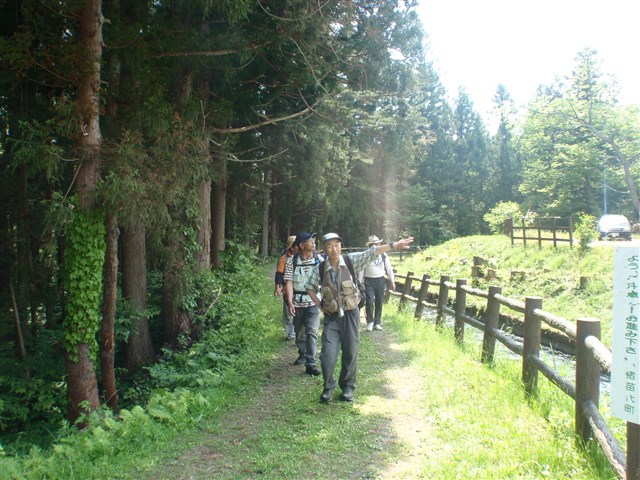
{"x":223,"y":300}
{"x":185,"y":388}
{"x":33,"y":390}
{"x":501,"y":212}
{"x":84,"y":261}
{"x":585,"y":230}
{"x":578,"y":142}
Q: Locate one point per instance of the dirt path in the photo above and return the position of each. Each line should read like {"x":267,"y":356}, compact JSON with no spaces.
{"x":218,"y":452}
{"x":409,"y":425}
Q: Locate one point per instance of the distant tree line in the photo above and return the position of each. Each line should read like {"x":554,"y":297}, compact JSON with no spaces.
{"x":143,"y":140}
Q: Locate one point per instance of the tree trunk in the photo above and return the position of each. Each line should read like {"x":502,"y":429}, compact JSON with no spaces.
{"x":176,"y":321}
{"x":203,"y":256}
{"x":16,"y":315}
{"x":82,"y":387}
{"x":109,"y":302}
{"x":107,"y":338}
{"x":23,"y":245}
{"x":219,"y":211}
{"x":275,"y":231}
{"x":264,"y":248}
{"x":626,"y":166}
{"x":138,"y":350}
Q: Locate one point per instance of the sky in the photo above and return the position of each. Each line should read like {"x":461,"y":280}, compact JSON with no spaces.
{"x":524,"y":43}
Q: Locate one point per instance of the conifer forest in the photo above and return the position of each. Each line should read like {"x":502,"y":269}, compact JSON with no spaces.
{"x":147,"y":146}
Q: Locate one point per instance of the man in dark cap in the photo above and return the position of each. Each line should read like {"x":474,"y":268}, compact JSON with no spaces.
{"x":335,"y":278}
{"x":306,"y":315}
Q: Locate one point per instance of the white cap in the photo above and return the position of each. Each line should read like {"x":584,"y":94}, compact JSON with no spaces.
{"x":331,"y":236}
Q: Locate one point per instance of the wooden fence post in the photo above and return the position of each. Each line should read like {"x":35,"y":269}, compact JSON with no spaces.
{"x":492,"y":316}
{"x":539,"y":232}
{"x":587,"y":374}
{"x":507,"y":227}
{"x":524,"y":233}
{"x":461,"y":301}
{"x":422,"y":295}
{"x":387,"y":295}
{"x":531,"y":344}
{"x":406,"y":290}
{"x":571,"y":231}
{"x":443,"y":297}
{"x":633,"y":451}
{"x":512,"y":229}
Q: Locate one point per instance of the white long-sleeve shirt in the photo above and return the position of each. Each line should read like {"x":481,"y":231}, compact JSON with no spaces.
{"x":380,"y":266}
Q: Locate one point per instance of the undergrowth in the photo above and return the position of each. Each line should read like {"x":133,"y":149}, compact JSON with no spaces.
{"x":170,"y":397}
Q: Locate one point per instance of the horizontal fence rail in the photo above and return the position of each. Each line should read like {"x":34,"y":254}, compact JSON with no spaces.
{"x":541,"y":226}
{"x":592,"y":356}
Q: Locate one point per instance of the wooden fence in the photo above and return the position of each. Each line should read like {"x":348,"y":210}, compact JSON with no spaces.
{"x":592,"y":356}
{"x":541,"y":226}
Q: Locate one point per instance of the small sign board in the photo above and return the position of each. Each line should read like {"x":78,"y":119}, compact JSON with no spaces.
{"x":625,"y":372}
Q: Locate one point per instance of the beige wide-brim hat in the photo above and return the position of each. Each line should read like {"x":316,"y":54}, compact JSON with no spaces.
{"x":372,"y":240}
{"x":290,"y":241}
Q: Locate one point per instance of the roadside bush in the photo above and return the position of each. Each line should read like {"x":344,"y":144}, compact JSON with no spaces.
{"x":585,"y":230}
{"x":502,"y":211}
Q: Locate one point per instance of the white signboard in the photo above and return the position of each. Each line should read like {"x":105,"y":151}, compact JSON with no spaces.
{"x":625,"y":374}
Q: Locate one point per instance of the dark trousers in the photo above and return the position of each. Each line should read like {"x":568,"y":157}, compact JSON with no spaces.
{"x":340,"y":334}
{"x":306,"y":322}
{"x":375,"y":298}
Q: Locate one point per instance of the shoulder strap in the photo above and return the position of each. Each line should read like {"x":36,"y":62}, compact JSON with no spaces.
{"x":295,"y":260}
{"x":347,"y":260}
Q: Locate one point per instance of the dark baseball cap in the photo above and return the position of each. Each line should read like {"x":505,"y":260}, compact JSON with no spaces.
{"x":303,"y":237}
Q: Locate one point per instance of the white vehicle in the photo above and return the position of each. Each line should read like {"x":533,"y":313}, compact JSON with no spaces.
{"x":614,"y":227}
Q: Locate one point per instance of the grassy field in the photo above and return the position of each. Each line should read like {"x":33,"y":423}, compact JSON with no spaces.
{"x":550,"y":273}
{"x":425,"y":408}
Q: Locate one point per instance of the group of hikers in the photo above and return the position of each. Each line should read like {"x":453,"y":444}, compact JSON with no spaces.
{"x":331,"y":283}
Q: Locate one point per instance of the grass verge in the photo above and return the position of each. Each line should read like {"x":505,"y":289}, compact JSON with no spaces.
{"x":424,"y":408}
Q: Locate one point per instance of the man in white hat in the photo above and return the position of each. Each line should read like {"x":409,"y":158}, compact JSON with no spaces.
{"x":374,"y":283}
{"x":340,"y":297}
{"x":287,"y":318}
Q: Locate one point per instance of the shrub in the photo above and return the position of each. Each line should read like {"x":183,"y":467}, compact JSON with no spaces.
{"x":585,"y":230}
{"x":502,"y":211}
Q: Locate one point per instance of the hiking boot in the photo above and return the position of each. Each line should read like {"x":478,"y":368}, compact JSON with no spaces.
{"x":312,"y":370}
{"x":369,"y":326}
{"x":378,"y":326}
{"x":299,"y":361}
{"x":347,"y":396}
{"x":326,"y":396}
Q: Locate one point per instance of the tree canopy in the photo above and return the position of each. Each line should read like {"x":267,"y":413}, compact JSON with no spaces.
{"x":156,"y":140}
